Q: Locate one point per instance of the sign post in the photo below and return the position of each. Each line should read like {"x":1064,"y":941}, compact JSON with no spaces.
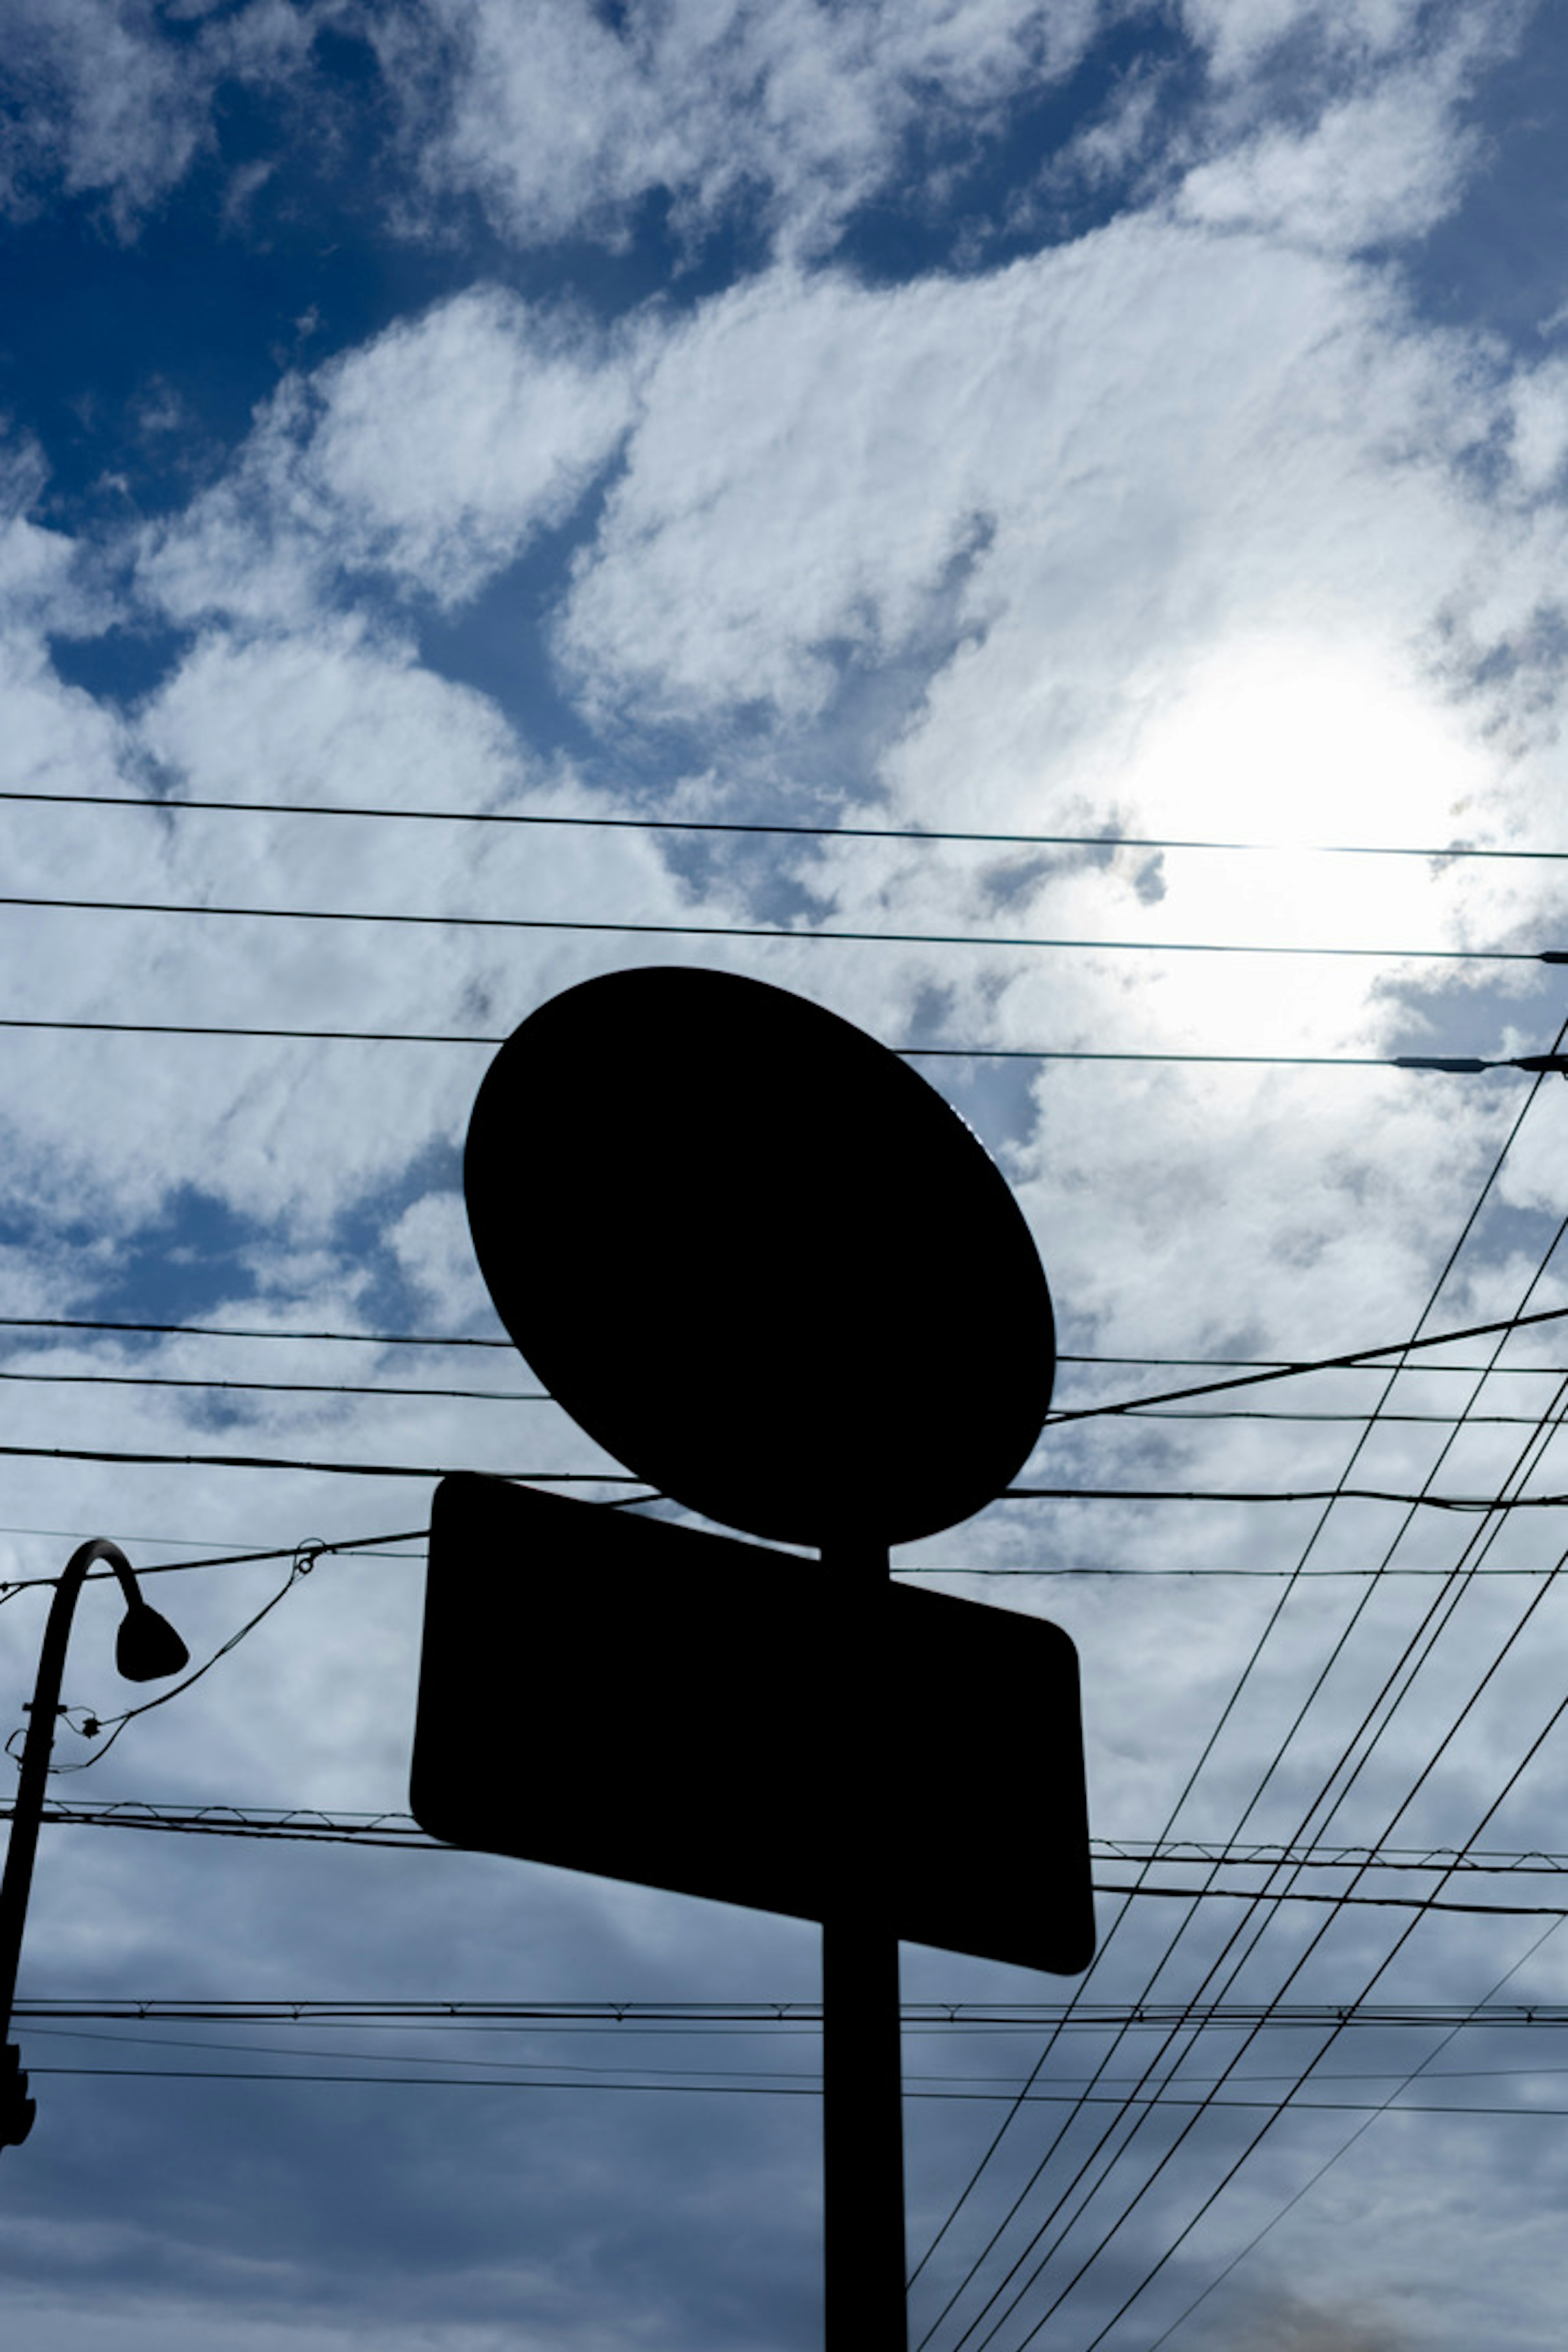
{"x":764,"y":1265}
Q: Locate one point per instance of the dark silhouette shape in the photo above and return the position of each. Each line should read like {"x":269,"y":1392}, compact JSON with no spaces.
{"x":147,"y":1647}
{"x":769,"y":1268}
{"x":759,"y":1258}
{"x":673,"y":1687}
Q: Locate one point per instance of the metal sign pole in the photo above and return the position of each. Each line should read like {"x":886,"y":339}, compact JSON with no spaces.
{"x":862,"y":2092}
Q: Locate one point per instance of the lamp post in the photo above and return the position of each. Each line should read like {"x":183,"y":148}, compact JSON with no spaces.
{"x":147,"y":1648}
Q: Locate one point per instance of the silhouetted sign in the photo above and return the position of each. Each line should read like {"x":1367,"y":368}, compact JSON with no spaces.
{"x":759,"y":1258}
{"x":643,"y":1701}
{"x":772,"y":1271}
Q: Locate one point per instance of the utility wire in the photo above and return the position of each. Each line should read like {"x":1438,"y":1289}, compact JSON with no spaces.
{"x":1475,"y":2015}
{"x":542,"y":1396}
{"x":1273,"y":1621}
{"x":1429,"y":1631}
{"x":779,"y":2016}
{"x":775,"y":932}
{"x":370,"y":1389}
{"x":625,"y":1478}
{"x":402,"y":1833}
{"x":1529,"y":1757}
{"x":1100,"y":841}
{"x":1263,"y":1372}
{"x":905,"y":1052}
{"x":1274,"y":1367}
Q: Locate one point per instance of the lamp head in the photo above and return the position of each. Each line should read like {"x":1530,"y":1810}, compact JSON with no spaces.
{"x":147,"y":1647}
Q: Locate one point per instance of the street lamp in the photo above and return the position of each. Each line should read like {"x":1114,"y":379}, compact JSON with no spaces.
{"x":147,"y":1648}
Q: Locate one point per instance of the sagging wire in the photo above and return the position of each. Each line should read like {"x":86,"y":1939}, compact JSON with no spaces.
{"x":306,"y":1554}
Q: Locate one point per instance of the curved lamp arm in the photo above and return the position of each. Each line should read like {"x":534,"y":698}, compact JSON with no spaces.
{"x":148,"y":1647}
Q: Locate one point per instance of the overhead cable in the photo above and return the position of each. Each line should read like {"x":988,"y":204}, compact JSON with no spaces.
{"x":905,"y":1052}
{"x":173,"y":804}
{"x":625,"y":1478}
{"x":1268,"y":1630}
{"x":626,"y":930}
{"x":1419,"y":1647}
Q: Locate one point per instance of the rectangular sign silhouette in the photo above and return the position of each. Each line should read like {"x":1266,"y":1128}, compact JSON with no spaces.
{"x":645,"y":1701}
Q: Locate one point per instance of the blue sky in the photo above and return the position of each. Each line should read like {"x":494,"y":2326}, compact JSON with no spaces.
{"x":1099,"y":421}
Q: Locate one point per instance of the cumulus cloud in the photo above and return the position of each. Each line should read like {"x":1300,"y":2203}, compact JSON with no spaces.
{"x":432,"y":455}
{"x":108,"y":102}
{"x":563,"y":123}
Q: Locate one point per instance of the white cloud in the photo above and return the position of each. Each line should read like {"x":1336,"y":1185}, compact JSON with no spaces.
{"x":1239,"y":35}
{"x":1378,"y":165}
{"x":106,"y":104}
{"x":433,"y":455}
{"x":563,"y":123}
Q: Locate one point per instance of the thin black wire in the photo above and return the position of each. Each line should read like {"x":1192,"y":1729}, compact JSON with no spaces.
{"x":1272,"y":2117}
{"x":1348,"y":1362}
{"x":1273,"y":1621}
{"x":1275,"y":1367}
{"x":1441,"y":1612}
{"x":1102,"y":840}
{"x":310,"y":1823}
{"x":346,"y":1388}
{"x":124,"y":1815}
{"x":304,"y":1560}
{"x":801,"y":2017}
{"x":248,"y":1331}
{"x":224,"y":1559}
{"x":1255,"y":1903}
{"x":905,"y":1052}
{"x":281,"y":1462}
{"x":769,"y":2090}
{"x":1475,"y":2015}
{"x":1437,"y":1618}
{"x":1269,"y":1495}
{"x":330,"y":1469}
{"x":773,"y":932}
{"x":542,"y":1396}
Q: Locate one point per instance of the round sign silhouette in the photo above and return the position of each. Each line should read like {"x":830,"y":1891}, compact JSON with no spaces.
{"x":758,"y":1258}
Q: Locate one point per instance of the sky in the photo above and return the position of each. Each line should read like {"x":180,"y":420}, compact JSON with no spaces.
{"x":1131,"y":438}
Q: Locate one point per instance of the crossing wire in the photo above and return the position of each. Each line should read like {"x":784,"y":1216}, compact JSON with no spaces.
{"x":542,"y":1396}
{"x":1271,"y":1624}
{"x":1476,"y":2015}
{"x":1256,"y":1904}
{"x":1273,"y":2115}
{"x":1273,"y":1898}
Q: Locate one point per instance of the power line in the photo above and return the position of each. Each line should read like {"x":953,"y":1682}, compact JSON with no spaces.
{"x":330,"y":1469}
{"x":249,"y":1332}
{"x":1485,"y":1503}
{"x":1100,"y":841}
{"x":775,"y":932}
{"x":905,"y":1052}
{"x":147,"y":1458}
{"x":745,"y":2090}
{"x":789,"y":2016}
{"x":319,"y":1550}
{"x":1273,"y":1365}
{"x":351,"y":1388}
{"x":1428,"y":1634}
{"x":749,"y":2090}
{"x":1274,"y":1620}
{"x":310,"y":1825}
{"x":542,"y":1396}
{"x":1347,"y":1362}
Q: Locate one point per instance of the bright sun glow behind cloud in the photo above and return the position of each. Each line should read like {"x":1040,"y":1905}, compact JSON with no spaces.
{"x":1292,"y":742}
